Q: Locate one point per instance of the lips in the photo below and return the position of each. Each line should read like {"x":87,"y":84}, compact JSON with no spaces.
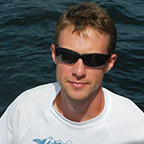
{"x":78,"y":84}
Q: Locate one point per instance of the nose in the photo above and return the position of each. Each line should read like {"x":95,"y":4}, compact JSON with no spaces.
{"x":79,"y":69}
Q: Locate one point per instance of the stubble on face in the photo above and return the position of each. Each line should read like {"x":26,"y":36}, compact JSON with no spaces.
{"x":81,"y":87}
{"x":81,"y":43}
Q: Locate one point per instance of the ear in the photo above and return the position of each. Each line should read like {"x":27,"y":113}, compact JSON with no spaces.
{"x":53,"y":53}
{"x":110,"y":63}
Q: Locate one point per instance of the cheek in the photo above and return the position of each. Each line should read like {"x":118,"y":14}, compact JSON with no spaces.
{"x":62,"y":71}
{"x":96,"y":76}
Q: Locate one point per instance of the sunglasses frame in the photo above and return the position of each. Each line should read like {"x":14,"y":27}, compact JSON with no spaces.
{"x":84,"y":57}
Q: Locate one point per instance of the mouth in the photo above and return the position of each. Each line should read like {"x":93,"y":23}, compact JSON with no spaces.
{"x":78,"y":85}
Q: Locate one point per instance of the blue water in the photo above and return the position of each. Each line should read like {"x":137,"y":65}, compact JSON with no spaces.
{"x":27,"y":31}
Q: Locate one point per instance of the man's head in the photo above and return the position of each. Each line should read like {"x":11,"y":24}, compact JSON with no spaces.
{"x":83,"y":40}
{"x":84,"y":16}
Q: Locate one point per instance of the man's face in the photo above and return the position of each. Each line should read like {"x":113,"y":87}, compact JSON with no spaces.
{"x":79,"y":82}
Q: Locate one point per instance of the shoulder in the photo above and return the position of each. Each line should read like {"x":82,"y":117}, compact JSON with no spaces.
{"x":43,"y":90}
{"x":38,"y":94}
{"x":117,"y":98}
{"x":122,"y":105}
{"x":26,"y":109}
{"x":123,"y":117}
{"x":32,"y":101}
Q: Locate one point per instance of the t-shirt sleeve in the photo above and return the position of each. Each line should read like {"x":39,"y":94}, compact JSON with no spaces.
{"x":8,"y":121}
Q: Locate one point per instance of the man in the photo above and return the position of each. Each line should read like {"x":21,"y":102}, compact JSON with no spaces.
{"x":77,"y":109}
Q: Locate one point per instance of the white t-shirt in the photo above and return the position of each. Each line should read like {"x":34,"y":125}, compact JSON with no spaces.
{"x":32,"y":119}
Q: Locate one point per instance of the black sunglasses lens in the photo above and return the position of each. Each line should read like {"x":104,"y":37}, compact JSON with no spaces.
{"x":95,"y":60}
{"x":65,"y":55}
{"x":90,"y":60}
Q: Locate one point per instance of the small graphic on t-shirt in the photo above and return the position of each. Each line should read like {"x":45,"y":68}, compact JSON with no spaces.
{"x":50,"y":140}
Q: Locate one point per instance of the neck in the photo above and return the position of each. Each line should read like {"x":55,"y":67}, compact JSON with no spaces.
{"x":80,"y":111}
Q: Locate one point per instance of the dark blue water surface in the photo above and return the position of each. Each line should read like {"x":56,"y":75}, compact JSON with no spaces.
{"x":27,"y":31}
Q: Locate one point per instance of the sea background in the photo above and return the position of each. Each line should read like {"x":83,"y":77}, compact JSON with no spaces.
{"x":27,"y":31}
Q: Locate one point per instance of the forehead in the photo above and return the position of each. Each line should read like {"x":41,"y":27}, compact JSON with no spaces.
{"x":88,"y":38}
{"x":88,"y":32}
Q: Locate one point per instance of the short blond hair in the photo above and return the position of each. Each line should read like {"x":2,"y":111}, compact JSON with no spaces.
{"x":87,"y":14}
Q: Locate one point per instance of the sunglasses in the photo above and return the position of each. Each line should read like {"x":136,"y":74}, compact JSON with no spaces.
{"x":70,"y":57}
